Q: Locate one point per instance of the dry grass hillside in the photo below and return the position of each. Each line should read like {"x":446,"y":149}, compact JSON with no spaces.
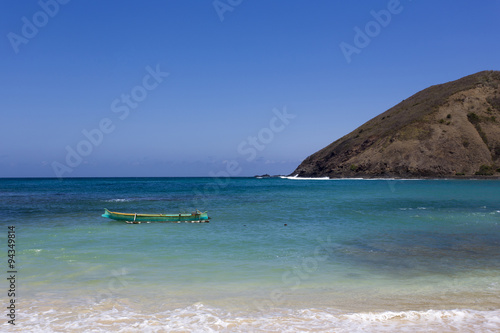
{"x":446,"y":130}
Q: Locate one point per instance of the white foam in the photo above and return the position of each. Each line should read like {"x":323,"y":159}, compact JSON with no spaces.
{"x":201,"y":318}
{"x":118,"y":200}
{"x":34,"y":251}
{"x":296,"y":177}
{"x":429,"y":321}
{"x":347,"y":178}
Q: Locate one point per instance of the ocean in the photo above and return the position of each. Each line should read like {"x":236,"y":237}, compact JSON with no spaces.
{"x":279,"y":255}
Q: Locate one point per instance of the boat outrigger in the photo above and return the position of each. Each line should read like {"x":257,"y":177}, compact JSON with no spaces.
{"x":194,"y":217}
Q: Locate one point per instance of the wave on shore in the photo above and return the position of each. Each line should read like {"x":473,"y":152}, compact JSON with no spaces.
{"x":200,"y":318}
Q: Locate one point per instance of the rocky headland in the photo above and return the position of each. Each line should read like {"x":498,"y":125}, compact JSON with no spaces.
{"x":446,"y":130}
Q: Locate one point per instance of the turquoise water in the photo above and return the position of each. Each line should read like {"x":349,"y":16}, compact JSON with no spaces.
{"x":278,"y":255}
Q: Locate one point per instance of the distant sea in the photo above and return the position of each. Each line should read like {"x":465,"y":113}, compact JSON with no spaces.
{"x":279,"y":255}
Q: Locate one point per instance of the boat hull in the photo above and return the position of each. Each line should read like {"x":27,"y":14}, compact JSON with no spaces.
{"x":197,"y":217}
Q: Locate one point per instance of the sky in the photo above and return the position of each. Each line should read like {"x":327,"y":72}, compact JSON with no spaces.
{"x":220,"y":88}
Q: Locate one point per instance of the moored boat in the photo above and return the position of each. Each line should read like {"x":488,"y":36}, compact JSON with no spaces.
{"x":194,"y":217}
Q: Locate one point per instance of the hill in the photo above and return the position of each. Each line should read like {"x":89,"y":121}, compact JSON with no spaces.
{"x":446,"y":130}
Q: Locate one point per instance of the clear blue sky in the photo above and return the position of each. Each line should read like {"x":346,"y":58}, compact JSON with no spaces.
{"x":253,"y":86}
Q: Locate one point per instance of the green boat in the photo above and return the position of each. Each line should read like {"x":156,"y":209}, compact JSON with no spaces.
{"x":194,"y":217}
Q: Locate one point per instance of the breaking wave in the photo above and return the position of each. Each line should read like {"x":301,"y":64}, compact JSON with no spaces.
{"x":201,"y":318}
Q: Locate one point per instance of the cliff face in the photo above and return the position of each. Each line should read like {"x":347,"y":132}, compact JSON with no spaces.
{"x":451,"y":129}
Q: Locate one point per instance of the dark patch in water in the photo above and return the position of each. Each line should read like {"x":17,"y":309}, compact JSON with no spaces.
{"x":411,"y":253}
